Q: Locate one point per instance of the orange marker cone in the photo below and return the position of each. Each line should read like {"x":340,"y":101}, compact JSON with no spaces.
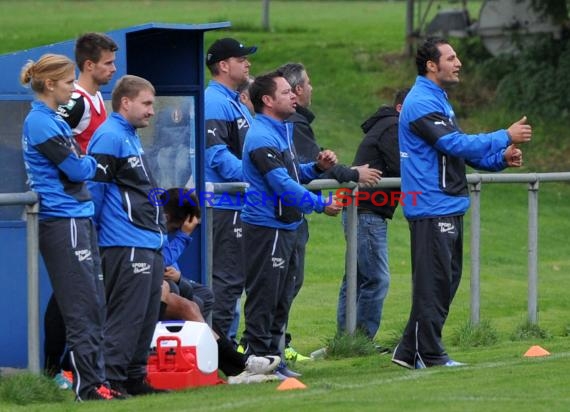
{"x":291,"y":383}
{"x":536,"y":351}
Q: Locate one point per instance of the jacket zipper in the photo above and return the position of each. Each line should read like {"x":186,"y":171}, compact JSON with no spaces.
{"x":443,"y":171}
{"x":129,"y":209}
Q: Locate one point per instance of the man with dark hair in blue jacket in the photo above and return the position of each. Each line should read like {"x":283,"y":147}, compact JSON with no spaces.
{"x":273,"y":211}
{"x":433,"y":153}
{"x":308,"y":149}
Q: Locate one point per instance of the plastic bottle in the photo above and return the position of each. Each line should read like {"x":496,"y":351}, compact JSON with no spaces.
{"x":319,"y":353}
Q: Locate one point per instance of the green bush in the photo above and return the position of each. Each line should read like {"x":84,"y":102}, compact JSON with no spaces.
{"x":535,"y":81}
{"x":529,"y":330}
{"x":345,"y":346}
{"x":470,"y":335}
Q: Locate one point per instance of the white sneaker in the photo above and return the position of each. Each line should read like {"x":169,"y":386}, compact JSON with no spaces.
{"x":262,"y":365}
{"x":248,"y":377}
{"x":451,"y":363}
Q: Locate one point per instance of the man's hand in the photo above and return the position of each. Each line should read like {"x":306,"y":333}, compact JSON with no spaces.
{"x":190,"y":224}
{"x":368,"y":176}
{"x":513,"y":156}
{"x":333,"y":209}
{"x":520,"y":132}
{"x":170,"y":273}
{"x":326,"y":159}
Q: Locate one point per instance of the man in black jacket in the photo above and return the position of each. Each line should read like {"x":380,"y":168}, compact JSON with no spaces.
{"x":307,"y":150}
{"x":379,"y":149}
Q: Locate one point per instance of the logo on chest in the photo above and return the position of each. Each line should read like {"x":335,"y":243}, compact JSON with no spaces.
{"x":134,"y":162}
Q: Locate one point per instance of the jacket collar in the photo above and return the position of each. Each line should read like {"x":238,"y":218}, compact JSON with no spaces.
{"x":40,"y":105}
{"x":282,"y":128}
{"x":306,"y":113}
{"x":226,"y":91}
{"x":425,"y":82}
{"x":123,"y":122}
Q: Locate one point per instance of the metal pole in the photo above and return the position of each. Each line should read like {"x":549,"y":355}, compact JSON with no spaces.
{"x":209,"y":243}
{"x":32,"y":246}
{"x":410,"y":28}
{"x":350,"y":263}
{"x":533,"y":252}
{"x":475,"y":252}
{"x":265,"y":16}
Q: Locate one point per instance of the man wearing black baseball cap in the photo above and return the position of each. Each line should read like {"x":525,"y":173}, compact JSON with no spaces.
{"x":223,"y":49}
{"x":227,"y":122}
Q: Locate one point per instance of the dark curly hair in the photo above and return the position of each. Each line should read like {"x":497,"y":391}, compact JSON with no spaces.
{"x":179,"y":204}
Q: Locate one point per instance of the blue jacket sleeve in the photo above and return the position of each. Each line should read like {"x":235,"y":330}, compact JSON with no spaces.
{"x":441,"y":132}
{"x":492,"y":163}
{"x":220,"y":159}
{"x":474,"y":146}
{"x":78,"y":169}
{"x":62,"y":153}
{"x":174,"y":247}
{"x":282,"y":184}
{"x":308,"y":172}
{"x":97,"y":190}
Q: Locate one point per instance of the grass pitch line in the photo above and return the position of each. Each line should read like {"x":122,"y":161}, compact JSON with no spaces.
{"x":322,"y":388}
{"x":422,"y":374}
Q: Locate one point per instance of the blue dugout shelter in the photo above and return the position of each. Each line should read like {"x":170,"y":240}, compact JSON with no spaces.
{"x":171,"y":57}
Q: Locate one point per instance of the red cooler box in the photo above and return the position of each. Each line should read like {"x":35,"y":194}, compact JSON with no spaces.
{"x":183,"y":354}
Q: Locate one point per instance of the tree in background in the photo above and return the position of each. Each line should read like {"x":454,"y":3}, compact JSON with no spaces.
{"x":555,"y":8}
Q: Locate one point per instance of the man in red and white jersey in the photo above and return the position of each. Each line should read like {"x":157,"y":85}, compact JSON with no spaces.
{"x":95,"y":58}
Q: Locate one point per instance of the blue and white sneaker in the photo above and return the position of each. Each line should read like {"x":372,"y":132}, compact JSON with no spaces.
{"x":283,"y":372}
{"x":64,"y":380}
{"x":419,"y":364}
{"x":451,"y":363}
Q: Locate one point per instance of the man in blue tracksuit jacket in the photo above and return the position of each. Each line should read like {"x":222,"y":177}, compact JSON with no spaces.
{"x":131,"y":234}
{"x":273,"y":210}
{"x":433,"y":153}
{"x":227,"y":122}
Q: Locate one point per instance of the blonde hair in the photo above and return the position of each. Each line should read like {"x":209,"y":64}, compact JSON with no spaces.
{"x":49,"y":66}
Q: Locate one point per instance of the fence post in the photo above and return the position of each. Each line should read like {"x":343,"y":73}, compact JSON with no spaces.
{"x":209,"y":241}
{"x":32,"y":245}
{"x":350,"y":262}
{"x":533,"y":252}
{"x":475,"y":252}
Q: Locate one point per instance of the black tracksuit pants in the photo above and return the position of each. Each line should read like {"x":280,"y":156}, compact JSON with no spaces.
{"x":69,"y":250}
{"x":228,"y":279}
{"x":437,"y":258}
{"x":271,"y":262}
{"x":133,"y":280}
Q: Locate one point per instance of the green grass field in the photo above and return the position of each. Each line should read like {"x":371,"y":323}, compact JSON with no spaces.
{"x":353,"y":52}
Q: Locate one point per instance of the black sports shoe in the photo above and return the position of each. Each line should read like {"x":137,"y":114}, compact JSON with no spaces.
{"x":118,"y":386}
{"x":140,"y":386}
{"x":118,"y":390}
{"x":100,"y":393}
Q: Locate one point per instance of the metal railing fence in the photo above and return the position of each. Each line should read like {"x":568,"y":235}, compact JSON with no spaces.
{"x":474,"y":181}
{"x":30,"y":200}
